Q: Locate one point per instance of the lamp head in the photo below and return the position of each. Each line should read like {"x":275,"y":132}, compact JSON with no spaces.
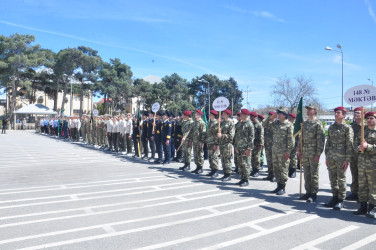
{"x":328,"y":48}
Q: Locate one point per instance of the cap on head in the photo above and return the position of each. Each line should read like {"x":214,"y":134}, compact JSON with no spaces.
{"x":282,"y":110}
{"x":368,"y":114}
{"x":187,"y":113}
{"x":311,"y":106}
{"x":340,"y":108}
{"x":261,"y":117}
{"x":358,"y":109}
{"x":292,"y":115}
{"x":227,"y":111}
{"x":272,"y":113}
{"x":253,"y":114}
{"x":199,"y":112}
{"x":245,"y":111}
{"x":213,"y":112}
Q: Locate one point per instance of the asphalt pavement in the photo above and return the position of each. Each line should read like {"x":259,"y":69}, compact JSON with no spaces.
{"x":62,"y":195}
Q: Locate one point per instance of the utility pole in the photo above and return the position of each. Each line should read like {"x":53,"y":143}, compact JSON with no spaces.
{"x":247,"y":96}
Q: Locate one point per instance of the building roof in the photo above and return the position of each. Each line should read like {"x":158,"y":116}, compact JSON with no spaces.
{"x":38,"y":109}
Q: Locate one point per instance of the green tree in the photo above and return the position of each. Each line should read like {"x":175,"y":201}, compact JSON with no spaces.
{"x":17,"y":55}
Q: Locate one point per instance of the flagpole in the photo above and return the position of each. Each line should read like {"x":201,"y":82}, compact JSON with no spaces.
{"x":301,"y":160}
{"x":362,"y":128}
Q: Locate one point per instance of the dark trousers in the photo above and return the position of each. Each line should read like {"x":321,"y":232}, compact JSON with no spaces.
{"x":172,"y":146}
{"x":135,"y":145}
{"x":115,"y":137}
{"x":129,"y":143}
{"x":145,"y":146}
{"x":109,"y":138}
{"x":167,"y":151}
{"x":3,"y":130}
{"x":159,"y":148}
{"x":152,"y":147}
{"x":206,"y":155}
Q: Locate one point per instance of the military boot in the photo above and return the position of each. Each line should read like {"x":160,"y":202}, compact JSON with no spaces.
{"x":187,"y":168}
{"x":269,"y":177}
{"x":352,"y":197}
{"x":282,"y":191}
{"x":292,"y":172}
{"x":312,"y":199}
{"x":371,"y":211}
{"x":279,"y":187}
{"x":226,"y":177}
{"x":340,"y":204}
{"x":305,"y":197}
{"x":254,"y":172}
{"x":362,"y":209}
{"x":244,"y":184}
{"x":198,"y":170}
{"x":215,"y":173}
{"x":210,"y":173}
{"x":332,"y":202}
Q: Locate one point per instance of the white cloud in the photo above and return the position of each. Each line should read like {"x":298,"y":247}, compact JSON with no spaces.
{"x":263,"y":14}
{"x":370,"y":10}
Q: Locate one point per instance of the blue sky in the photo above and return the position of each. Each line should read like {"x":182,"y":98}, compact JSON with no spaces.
{"x":253,"y":41}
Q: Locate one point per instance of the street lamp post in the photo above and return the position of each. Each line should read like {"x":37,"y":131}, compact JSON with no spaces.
{"x":339,"y":46}
{"x":71,"y":98}
{"x":369,"y":79}
{"x":204,"y":81}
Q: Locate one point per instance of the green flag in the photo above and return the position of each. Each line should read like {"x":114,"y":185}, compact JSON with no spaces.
{"x":205,"y":120}
{"x":299,"y":118}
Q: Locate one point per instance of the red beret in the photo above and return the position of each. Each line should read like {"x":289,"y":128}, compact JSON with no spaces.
{"x":292,"y":115}
{"x":253,"y":114}
{"x":340,"y":108}
{"x":370,"y":114}
{"x":227,"y":111}
{"x":272,"y":113}
{"x":214,"y":112}
{"x":245,"y":111}
{"x":188,"y":113}
{"x":199,"y":112}
{"x":358,"y":109}
{"x":238,"y":114}
{"x":261,"y":116}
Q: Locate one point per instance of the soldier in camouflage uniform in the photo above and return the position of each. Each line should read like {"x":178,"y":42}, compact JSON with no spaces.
{"x":212,"y":140}
{"x":187,"y":125}
{"x":338,"y":151}
{"x":225,"y":140}
{"x":283,"y":143}
{"x":356,"y":126}
{"x":268,"y":141}
{"x":262,"y":155}
{"x":236,"y":160}
{"x":83,"y":128}
{"x":313,"y":141}
{"x":258,"y":144}
{"x":293,"y":155}
{"x":367,"y":167}
{"x":243,"y":144}
{"x":198,"y":137}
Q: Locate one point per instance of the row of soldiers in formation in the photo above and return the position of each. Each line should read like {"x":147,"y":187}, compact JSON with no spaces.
{"x":164,"y":134}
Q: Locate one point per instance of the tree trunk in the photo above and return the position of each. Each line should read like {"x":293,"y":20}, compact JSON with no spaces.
{"x":81,"y":97}
{"x":105,"y":103}
{"x":13,"y":101}
{"x":64,"y":95}
{"x":56,"y":93}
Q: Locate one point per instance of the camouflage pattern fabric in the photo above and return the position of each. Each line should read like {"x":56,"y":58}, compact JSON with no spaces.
{"x":225,"y":145}
{"x":212,"y":139}
{"x":243,"y":140}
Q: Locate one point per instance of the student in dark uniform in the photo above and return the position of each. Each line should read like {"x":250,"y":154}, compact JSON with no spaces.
{"x":166,"y":137}
{"x":158,"y":138}
{"x":150,"y":135}
{"x":136,"y":136}
{"x":144,"y":135}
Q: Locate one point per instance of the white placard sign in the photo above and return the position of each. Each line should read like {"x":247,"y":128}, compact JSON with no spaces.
{"x":361,"y":95}
{"x":155,"y":107}
{"x":221,"y":103}
{"x":95,"y":112}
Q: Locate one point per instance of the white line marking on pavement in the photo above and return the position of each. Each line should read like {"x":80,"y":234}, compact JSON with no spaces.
{"x":106,"y":205}
{"x":105,"y":196}
{"x":361,"y":243}
{"x":262,"y":233}
{"x":79,"y":183}
{"x":135,"y":220}
{"x":108,"y":229}
{"x":90,"y":193}
{"x":212,"y":210}
{"x":219,"y":231}
{"x":257,"y":227}
{"x":106,"y":212}
{"x":74,"y":197}
{"x":324,"y":238}
{"x":61,"y":243}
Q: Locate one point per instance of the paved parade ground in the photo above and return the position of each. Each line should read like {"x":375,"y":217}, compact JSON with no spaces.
{"x":63,"y":195}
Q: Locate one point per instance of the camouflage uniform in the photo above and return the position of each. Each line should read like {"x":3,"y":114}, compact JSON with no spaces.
{"x":338,"y":148}
{"x":258,"y":142}
{"x":187,"y":149}
{"x":225,"y":145}
{"x":236,"y":156}
{"x":198,"y":136}
{"x":354,"y":160}
{"x":283,"y":143}
{"x":268,"y":140}
{"x":367,"y":167}
{"x":211,"y":140}
{"x":243,"y":140}
{"x":83,"y":129}
{"x":313,"y":141}
{"x":293,"y":154}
